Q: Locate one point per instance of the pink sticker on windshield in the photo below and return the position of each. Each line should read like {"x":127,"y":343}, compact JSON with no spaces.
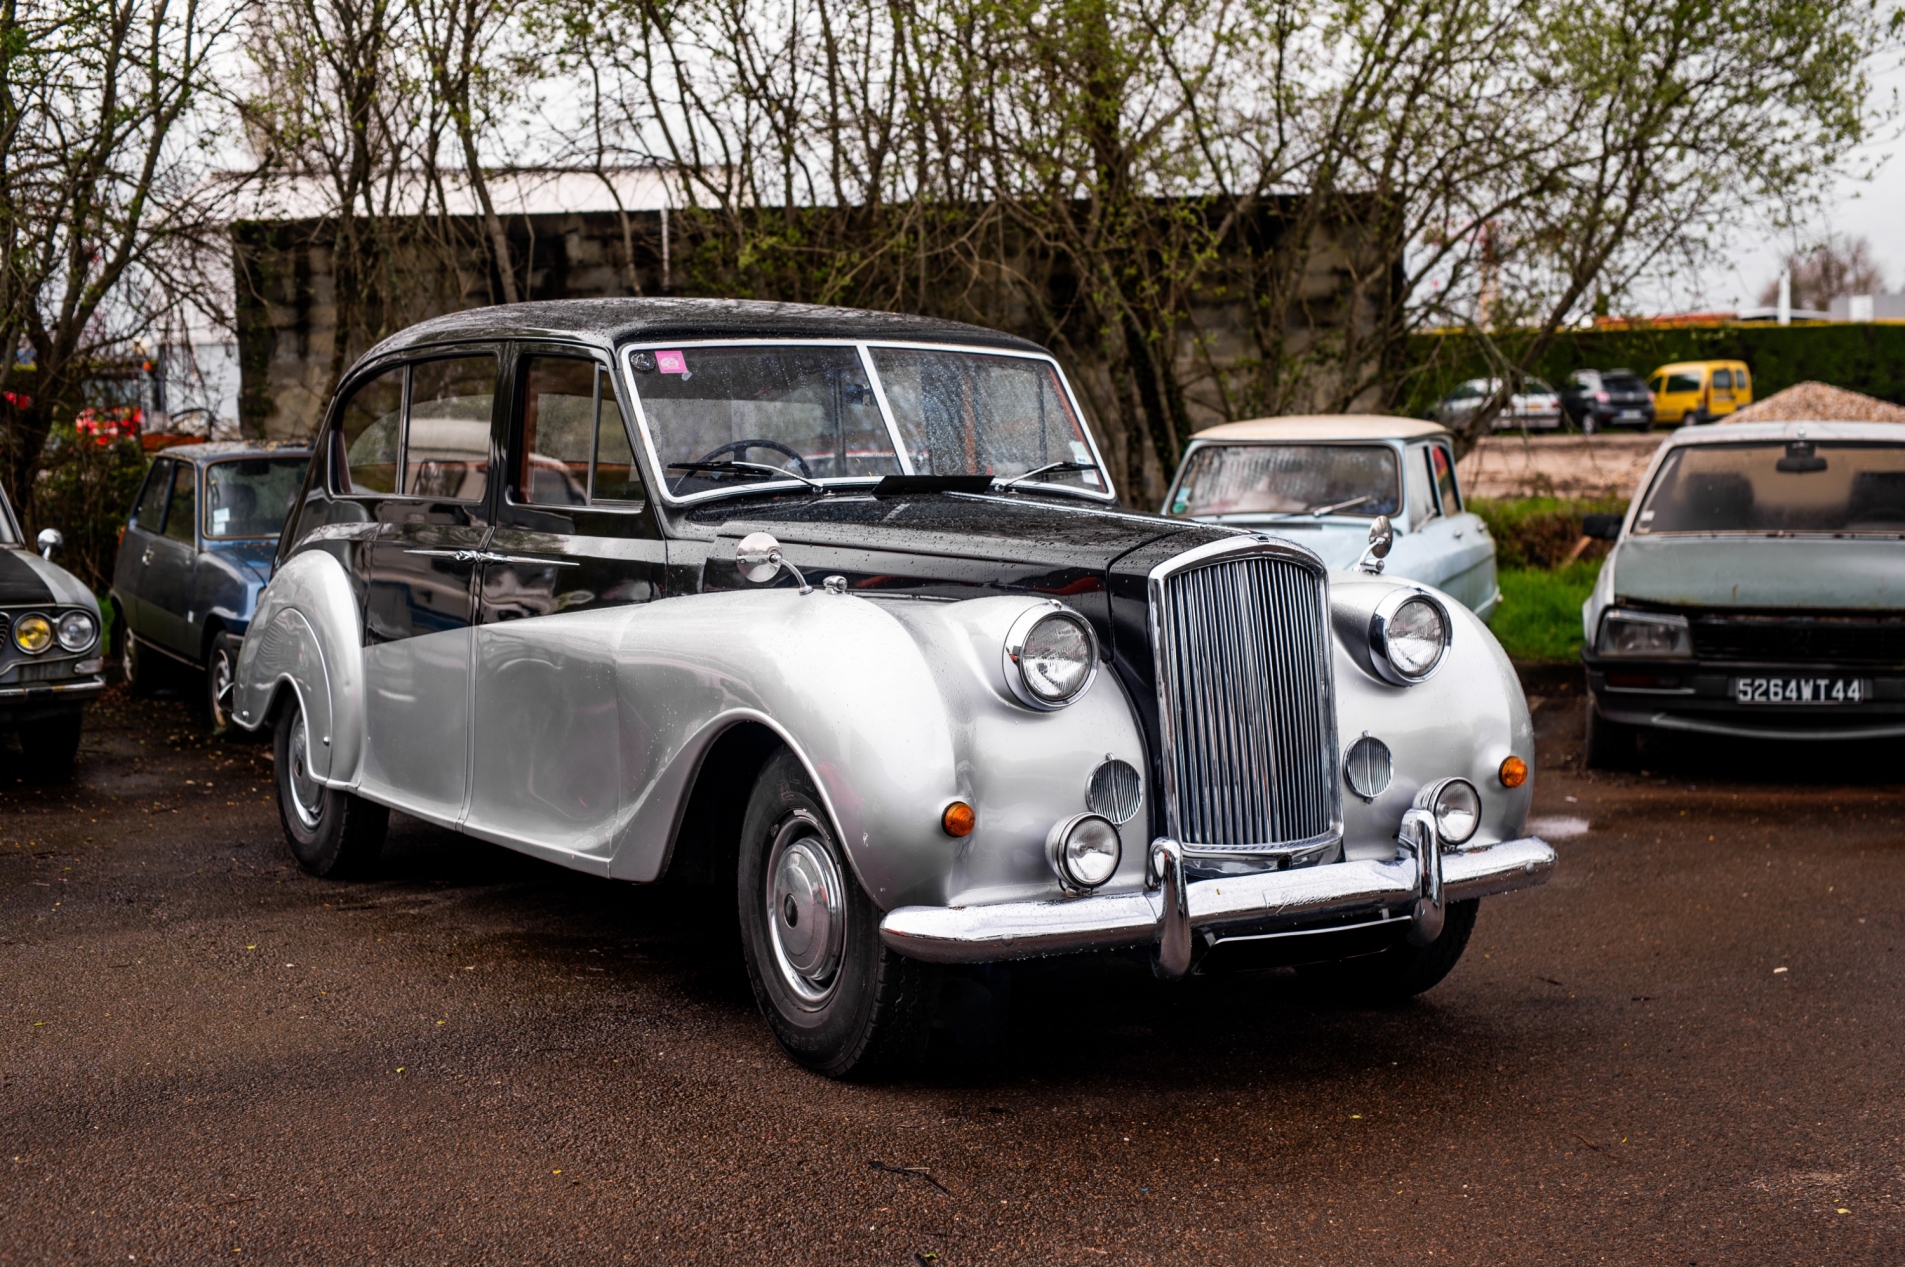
{"x":671,"y":363}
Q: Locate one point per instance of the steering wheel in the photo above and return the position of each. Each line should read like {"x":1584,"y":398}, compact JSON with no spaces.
{"x":742,"y":446}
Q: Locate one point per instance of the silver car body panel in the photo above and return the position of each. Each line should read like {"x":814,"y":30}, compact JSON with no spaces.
{"x":588,"y":728}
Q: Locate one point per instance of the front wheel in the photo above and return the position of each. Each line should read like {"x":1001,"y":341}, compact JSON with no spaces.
{"x":1403,"y":971}
{"x":838,"y":1000}
{"x":136,"y":667}
{"x":331,"y":832}
{"x":221,"y":672}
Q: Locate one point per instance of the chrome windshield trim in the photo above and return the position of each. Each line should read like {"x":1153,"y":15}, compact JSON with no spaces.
{"x":865,"y":348}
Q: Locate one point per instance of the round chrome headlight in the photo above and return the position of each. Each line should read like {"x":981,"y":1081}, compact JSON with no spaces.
{"x":1408,"y":636}
{"x":1084,"y":850}
{"x":1456,"y":806}
{"x":77,"y":630}
{"x":33,"y":634}
{"x":1051,"y":656}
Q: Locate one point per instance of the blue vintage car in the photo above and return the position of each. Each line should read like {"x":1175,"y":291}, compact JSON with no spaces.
{"x":195,"y":553}
{"x":1321,"y":480}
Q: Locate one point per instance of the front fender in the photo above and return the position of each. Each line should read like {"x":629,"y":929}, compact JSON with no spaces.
{"x":1464,"y":720}
{"x":305,"y":635}
{"x":896,"y":708}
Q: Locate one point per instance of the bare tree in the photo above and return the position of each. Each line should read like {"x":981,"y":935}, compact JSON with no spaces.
{"x":1822,"y":273}
{"x":103,"y":207}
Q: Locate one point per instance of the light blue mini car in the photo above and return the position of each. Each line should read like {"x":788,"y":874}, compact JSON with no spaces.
{"x":1321,"y":480}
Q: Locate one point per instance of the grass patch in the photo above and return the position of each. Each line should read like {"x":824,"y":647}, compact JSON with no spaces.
{"x":1540,"y":613}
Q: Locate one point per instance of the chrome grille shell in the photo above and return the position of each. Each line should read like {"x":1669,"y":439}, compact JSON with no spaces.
{"x":1240,"y":634}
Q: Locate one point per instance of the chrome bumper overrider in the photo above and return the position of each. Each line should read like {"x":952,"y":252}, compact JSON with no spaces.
{"x":1414,"y":886}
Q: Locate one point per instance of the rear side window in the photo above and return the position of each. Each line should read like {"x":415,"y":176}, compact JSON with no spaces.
{"x":1683,"y":383}
{"x":1444,"y":468}
{"x":369,"y":433}
{"x":150,"y":514}
{"x":446,"y":447}
{"x":182,"y":518}
{"x":574,"y":449}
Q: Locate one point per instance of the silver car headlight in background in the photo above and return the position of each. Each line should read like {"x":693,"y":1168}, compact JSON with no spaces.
{"x":1644,"y":636}
{"x":1408,"y":637}
{"x":1084,"y":850}
{"x":77,"y":630}
{"x":1456,"y":806}
{"x":1051,"y":657}
{"x":33,"y":634}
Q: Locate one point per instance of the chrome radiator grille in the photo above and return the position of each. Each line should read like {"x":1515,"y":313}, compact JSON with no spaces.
{"x":1245,"y":698}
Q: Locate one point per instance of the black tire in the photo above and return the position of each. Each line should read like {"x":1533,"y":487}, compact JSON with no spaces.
{"x":838,"y":1000}
{"x":221,"y":672}
{"x":331,"y":833}
{"x":49,"y":746}
{"x":1403,"y":971}
{"x":139,"y":668}
{"x":1610,"y":745}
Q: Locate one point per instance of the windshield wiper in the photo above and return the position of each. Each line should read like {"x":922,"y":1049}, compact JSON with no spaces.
{"x":748,"y":470}
{"x":1050,"y":468}
{"x":1317,"y":512}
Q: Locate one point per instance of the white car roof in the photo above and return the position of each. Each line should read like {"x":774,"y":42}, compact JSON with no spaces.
{"x":1724,"y":432}
{"x":1324,"y":427}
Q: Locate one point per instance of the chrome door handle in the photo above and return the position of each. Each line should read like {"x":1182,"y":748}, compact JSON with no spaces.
{"x":146,"y":557}
{"x":460,"y":556}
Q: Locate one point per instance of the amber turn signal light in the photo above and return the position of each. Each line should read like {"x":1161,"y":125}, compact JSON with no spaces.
{"x":959,"y":819}
{"x":1514,"y":772}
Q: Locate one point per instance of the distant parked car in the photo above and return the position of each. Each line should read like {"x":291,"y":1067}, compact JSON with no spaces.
{"x":1535,"y":407}
{"x":195,"y":552}
{"x":1693,"y":392}
{"x":1753,"y":590}
{"x":1319,"y":481}
{"x":49,"y":649}
{"x":1597,"y":399}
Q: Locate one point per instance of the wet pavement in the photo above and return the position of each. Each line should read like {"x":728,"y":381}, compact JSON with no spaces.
{"x":1686,"y":1049}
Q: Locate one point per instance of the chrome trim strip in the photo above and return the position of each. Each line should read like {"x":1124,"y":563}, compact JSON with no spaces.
{"x":167,"y":652}
{"x":1274,"y":901}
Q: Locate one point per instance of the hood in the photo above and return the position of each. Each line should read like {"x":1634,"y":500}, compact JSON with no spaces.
{"x":1760,"y":572}
{"x":28,"y":580}
{"x":251,"y":556}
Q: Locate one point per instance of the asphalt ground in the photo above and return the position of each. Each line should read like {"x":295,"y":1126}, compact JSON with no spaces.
{"x":1685,"y":1049}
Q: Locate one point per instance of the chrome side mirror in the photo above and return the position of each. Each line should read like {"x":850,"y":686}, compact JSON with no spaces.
{"x":1382,"y":535}
{"x":49,"y":540}
{"x":758,"y":557}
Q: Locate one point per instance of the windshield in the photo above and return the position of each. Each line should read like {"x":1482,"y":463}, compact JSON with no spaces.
{"x":1268,"y":479}
{"x":812,"y":410}
{"x":1797,"y":487}
{"x":251,"y":496}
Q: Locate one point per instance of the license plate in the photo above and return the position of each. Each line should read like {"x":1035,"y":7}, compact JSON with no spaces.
{"x":1630,"y":415}
{"x":1801,"y":690}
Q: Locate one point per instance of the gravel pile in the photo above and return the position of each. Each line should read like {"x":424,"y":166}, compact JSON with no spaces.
{"x":1818,"y":402}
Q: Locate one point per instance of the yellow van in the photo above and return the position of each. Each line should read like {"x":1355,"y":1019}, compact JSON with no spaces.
{"x":1699,"y":391}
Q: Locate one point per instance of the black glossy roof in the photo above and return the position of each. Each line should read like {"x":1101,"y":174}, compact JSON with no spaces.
{"x":617,"y":321}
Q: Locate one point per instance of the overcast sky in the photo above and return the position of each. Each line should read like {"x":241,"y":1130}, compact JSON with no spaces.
{"x":1874,"y":210}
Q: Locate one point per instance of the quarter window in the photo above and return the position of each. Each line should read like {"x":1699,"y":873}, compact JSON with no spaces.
{"x":369,"y":433}
{"x":1444,"y":469}
{"x":1421,"y":481}
{"x":574,"y":448}
{"x":183,"y":516}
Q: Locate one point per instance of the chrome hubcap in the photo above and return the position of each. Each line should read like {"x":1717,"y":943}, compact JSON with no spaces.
{"x":221,"y":686}
{"x":806,"y":910}
{"x":307,"y":795}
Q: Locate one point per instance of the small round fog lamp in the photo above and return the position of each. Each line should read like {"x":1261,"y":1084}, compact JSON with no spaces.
{"x":1457,"y":808}
{"x":33,"y":634}
{"x":1084,"y":850}
{"x":1514,"y":772}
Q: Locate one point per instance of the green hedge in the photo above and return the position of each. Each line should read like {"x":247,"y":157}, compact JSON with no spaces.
{"x":1541,"y":532}
{"x":1862,"y":358}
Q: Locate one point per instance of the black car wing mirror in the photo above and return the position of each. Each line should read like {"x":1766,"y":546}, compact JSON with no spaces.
{"x":1601,"y":527}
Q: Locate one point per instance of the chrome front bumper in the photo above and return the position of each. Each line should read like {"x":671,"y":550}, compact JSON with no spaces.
{"x":37,"y":692}
{"x":1329,"y":897}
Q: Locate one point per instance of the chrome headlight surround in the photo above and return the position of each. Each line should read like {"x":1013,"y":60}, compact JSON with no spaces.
{"x":1382,"y":636}
{"x":76,"y":630}
{"x":1019,"y":677}
{"x":1084,"y":850}
{"x":1456,"y":806}
{"x":33,"y":633}
{"x":1644,"y":636}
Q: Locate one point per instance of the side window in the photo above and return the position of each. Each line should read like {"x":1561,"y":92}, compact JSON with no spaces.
{"x":574,"y":448}
{"x":369,"y":432}
{"x":1421,"y":485}
{"x":158,"y":490}
{"x":182,"y":518}
{"x":446,"y":448}
{"x":1444,"y":468}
